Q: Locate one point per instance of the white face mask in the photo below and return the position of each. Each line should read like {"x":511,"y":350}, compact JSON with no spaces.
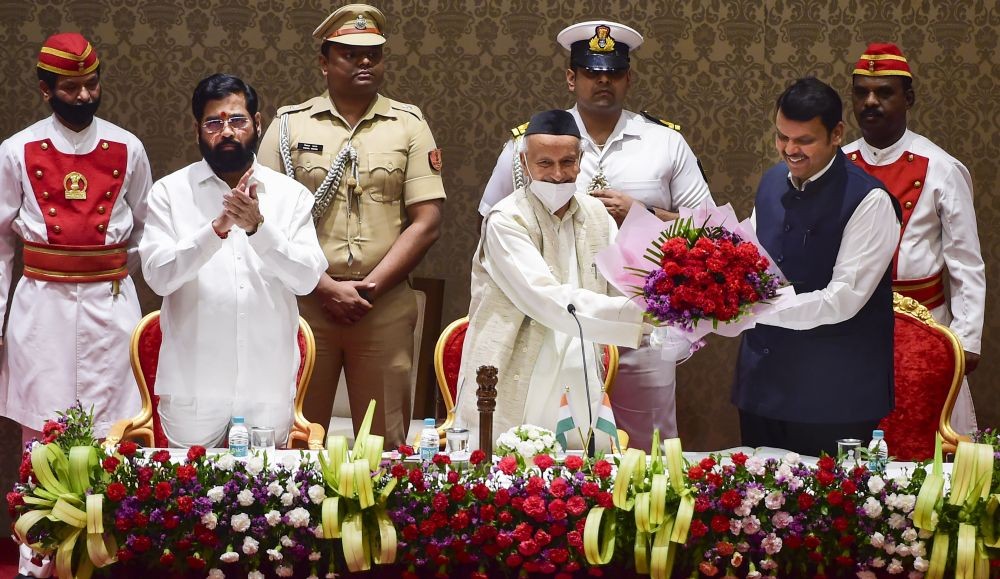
{"x":552,"y":195}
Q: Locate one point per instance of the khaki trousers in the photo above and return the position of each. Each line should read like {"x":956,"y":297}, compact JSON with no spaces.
{"x":376,"y":354}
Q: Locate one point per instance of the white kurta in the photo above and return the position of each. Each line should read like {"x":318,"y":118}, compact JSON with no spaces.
{"x":654,"y":165}
{"x":229,"y":316}
{"x":514,"y":263}
{"x":68,"y":341}
{"x":941,"y":234}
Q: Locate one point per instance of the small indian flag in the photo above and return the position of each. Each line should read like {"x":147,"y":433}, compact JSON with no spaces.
{"x":565,"y":423}
{"x":606,"y":420}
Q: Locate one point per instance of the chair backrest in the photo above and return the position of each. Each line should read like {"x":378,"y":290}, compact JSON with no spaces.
{"x":929,"y":364}
{"x":302,"y":430}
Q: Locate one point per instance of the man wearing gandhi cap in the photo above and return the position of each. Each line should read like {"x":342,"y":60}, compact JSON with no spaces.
{"x":376,"y":176}
{"x":935,"y":192}
{"x":73,"y":188}
{"x":534,"y":258}
{"x":627,"y":158}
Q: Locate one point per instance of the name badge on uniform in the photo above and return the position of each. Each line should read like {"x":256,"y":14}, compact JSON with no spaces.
{"x":310,"y":147}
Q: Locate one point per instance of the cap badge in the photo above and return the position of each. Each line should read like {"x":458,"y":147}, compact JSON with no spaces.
{"x":602,"y":41}
{"x":75,"y":186}
{"x":360,"y":23}
{"x":871,"y":66}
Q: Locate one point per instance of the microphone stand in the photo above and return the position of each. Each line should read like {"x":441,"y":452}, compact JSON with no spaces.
{"x":591,"y":447}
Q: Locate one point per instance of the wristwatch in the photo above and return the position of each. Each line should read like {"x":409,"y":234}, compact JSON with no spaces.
{"x":259,"y":223}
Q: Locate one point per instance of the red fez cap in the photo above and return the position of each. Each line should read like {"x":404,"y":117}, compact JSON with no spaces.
{"x":68,"y":54}
{"x":882,"y":59}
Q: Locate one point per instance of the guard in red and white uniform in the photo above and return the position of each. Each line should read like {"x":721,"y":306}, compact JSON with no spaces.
{"x":938,"y":261}
{"x":73,"y":188}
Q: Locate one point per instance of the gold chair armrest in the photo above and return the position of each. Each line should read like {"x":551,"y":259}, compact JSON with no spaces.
{"x":316,"y":437}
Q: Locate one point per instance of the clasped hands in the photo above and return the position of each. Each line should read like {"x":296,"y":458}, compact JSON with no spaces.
{"x":345,"y":302}
{"x":239,"y":207}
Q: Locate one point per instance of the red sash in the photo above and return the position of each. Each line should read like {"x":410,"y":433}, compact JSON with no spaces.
{"x":75,"y":263}
{"x":929,"y":291}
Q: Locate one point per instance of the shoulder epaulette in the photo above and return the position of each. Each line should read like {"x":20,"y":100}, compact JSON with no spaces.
{"x":294,"y":108}
{"x":660,"y":121}
{"x":519,"y":130}
{"x":408,"y":108}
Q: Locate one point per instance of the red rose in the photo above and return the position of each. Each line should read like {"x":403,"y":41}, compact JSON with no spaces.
{"x":513,"y":560}
{"x":116,"y":491}
{"x":487,"y":513}
{"x":730,"y":499}
{"x":452,"y":476}
{"x":575,"y":539}
{"x":477,"y":457}
{"x":714,"y":478}
{"x":185,"y":504}
{"x":702,"y":504}
{"x":602,"y":468}
{"x":508,"y":465}
{"x":187,"y":472}
{"x":840,"y":523}
{"x":604,"y":499}
{"x":557,"y":509}
{"x":576,"y":506}
{"x":195,"y":452}
{"x":805,"y":501}
{"x":163,"y":491}
{"x":811,"y":542}
{"x":406,"y":450}
{"x":695,"y":473}
{"x":14,"y":500}
{"x":824,"y":477}
{"x":543,"y":461}
{"x":480,"y":491}
{"x":698,"y":529}
{"x":457,"y":493}
{"x":501,"y":498}
{"x":441,"y":459}
{"x":720,"y":524}
{"x":110,"y":463}
{"x":848,"y":487}
{"x":460,"y":520}
{"x":834,"y":497}
{"x":534,"y":506}
{"x":859,"y":472}
{"x":558,"y":487}
{"x":167,"y":558}
{"x":707,"y":463}
{"x":826,"y":463}
{"x":161,"y":456}
{"x":528,"y":548}
{"x":589,"y":489}
{"x":398,"y":471}
{"x":573,"y":462}
{"x":145,"y":474}
{"x":143,"y":492}
{"x":142,"y":544}
{"x":536,"y":485}
{"x":523,"y":532}
{"x":127,"y":448}
{"x":195,"y":562}
{"x":505,"y":540}
{"x":739,"y":458}
{"x":440,"y":502}
{"x":506,"y":518}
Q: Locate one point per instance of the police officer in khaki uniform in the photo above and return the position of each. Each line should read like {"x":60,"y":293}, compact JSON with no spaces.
{"x":375,"y":171}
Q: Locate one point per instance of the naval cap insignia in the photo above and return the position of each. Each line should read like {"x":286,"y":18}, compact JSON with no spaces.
{"x":360,"y":23}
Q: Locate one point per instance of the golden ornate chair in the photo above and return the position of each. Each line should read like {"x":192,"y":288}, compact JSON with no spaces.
{"x":448,"y":362}
{"x":145,"y":354}
{"x":929,"y":364}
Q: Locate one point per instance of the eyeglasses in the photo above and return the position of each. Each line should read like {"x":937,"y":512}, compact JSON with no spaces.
{"x":236,"y":123}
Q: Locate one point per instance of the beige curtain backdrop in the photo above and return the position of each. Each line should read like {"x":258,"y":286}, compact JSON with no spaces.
{"x":477,"y":69}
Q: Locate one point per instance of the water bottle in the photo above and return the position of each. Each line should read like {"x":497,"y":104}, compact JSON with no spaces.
{"x":239,"y":437}
{"x":878,"y":452}
{"x":428,"y":440}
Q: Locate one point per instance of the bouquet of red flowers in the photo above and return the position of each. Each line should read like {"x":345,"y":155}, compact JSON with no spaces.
{"x":716,"y":271}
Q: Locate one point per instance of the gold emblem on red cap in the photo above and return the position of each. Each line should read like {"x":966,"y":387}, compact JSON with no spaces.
{"x":602,"y":41}
{"x":871,"y":66}
{"x":75,"y":185}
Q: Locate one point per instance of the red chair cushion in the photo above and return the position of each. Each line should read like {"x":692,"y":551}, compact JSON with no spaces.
{"x":149,"y":359}
{"x":451,"y":357}
{"x":302,"y":356}
{"x":924,"y":366}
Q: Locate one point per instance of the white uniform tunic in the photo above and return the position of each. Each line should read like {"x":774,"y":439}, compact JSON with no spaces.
{"x":654,"y":165}
{"x":68,"y":341}
{"x":229,"y":315}
{"x":942,"y":234}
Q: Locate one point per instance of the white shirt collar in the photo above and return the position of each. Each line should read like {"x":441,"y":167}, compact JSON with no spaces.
{"x":888,"y":154}
{"x":202,"y":171}
{"x":822,"y":172}
{"x":624,"y":126}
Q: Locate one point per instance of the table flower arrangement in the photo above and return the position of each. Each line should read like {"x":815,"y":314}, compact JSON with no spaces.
{"x":705,"y":272}
{"x":526,"y":441}
{"x":139,"y":512}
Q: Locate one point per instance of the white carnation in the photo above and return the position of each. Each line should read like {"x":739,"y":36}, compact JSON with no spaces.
{"x":283,"y":571}
{"x":298,"y":517}
{"x":792,"y":458}
{"x":216,"y":494}
{"x":872,"y":508}
{"x":250,"y":545}
{"x":897,"y":521}
{"x":240,"y":522}
{"x":287,"y":499}
{"x":755,"y":465}
{"x":921,"y":564}
{"x":878,"y":540}
{"x":910,"y":535}
{"x":867,"y":575}
{"x":274,"y":489}
{"x":317,"y":493}
{"x":275,"y":554}
{"x":293,"y":488}
{"x":315,"y":556}
{"x":286,"y":541}
{"x":210,"y":520}
{"x":903,"y":550}
{"x":876,"y":484}
{"x":229,"y":557}
{"x":878,"y":562}
{"x":245,"y":498}
{"x":272,"y":517}
{"x":255,"y":464}
{"x":895,"y":567}
{"x":216,"y":573}
{"x":255,"y":575}
{"x":227,"y":462}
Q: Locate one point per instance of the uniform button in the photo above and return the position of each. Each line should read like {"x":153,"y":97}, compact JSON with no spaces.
{"x":116,"y":172}
{"x":107,"y":194}
{"x":100,"y":227}
{"x":767,"y":351}
{"x":52,"y":211}
{"x":389,"y":165}
{"x":854,"y":156}
{"x":239,"y":258}
{"x":910,"y":157}
{"x":908,"y":205}
{"x":780,"y":258}
{"x":101,"y":209}
{"x":104,"y":145}
{"x":532,"y":322}
{"x":38,"y":173}
{"x":45,"y":146}
{"x":524,"y":348}
{"x":916,"y":184}
{"x":798,"y":198}
{"x":56,"y":228}
{"x":788,"y":227}
{"x":45,"y":194}
{"x":517,"y":377}
{"x":242,"y":286}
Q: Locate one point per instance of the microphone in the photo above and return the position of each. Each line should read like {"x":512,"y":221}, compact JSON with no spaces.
{"x":591,"y":450}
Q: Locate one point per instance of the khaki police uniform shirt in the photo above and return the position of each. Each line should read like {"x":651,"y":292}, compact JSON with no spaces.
{"x":393,"y":143}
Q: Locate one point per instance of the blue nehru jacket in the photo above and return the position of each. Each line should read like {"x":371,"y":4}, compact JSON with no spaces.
{"x":834,"y":373}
